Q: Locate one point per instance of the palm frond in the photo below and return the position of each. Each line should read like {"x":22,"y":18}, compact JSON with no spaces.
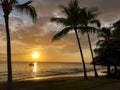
{"x":63,"y":21}
{"x":83,"y":16}
{"x":93,"y":13}
{"x":71,"y":11}
{"x":28,"y":9}
{"x":13,"y":2}
{"x":74,"y":5}
{"x":83,"y":29}
{"x":61,"y":33}
{"x":64,"y":10}
{"x":97,"y":22}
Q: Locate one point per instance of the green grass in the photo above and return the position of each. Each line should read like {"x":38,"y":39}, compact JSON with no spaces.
{"x":63,"y":84}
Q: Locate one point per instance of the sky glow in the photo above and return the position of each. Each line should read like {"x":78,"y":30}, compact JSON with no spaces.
{"x":27,"y":37}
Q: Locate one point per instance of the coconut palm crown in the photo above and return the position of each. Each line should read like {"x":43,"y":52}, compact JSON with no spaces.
{"x":25,"y":8}
{"x":70,"y":21}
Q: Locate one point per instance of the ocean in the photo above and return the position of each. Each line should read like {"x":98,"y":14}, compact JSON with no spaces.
{"x":42,"y":70}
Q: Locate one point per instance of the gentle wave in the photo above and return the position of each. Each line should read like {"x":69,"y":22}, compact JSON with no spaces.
{"x":22,"y":70}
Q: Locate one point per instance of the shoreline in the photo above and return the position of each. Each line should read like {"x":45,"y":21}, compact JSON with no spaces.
{"x":80,"y":74}
{"x":90,"y":74}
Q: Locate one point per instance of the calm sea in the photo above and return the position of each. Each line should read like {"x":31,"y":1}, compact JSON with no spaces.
{"x":23,"y":70}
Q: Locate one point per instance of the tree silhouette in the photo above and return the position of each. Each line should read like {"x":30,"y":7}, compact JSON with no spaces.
{"x":7,"y":7}
{"x":116,"y":45}
{"x":88,"y":21}
{"x":70,"y":22}
{"x":104,"y":50}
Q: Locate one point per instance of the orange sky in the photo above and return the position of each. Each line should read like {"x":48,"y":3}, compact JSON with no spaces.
{"x":27,"y":37}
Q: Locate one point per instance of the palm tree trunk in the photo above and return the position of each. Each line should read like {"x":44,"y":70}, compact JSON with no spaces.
{"x":9,"y":66}
{"x":81,"y":53}
{"x":89,"y":41}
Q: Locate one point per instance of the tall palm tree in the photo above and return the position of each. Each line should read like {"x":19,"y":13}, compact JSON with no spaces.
{"x":7,"y":7}
{"x":70,"y":22}
{"x":88,"y":20}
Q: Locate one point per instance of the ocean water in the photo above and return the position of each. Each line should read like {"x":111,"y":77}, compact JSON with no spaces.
{"x":24,"y":71}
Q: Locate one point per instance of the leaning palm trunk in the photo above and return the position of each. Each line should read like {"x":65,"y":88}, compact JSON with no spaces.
{"x":89,"y":41}
{"x":84,"y":67}
{"x":9,"y":66}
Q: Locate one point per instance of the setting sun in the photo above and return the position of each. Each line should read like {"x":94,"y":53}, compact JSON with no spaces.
{"x":35,"y":55}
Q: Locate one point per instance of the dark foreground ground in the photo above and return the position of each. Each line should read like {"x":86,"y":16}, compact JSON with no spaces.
{"x":66,"y":83}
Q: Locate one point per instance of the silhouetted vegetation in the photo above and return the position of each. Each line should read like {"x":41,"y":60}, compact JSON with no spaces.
{"x":88,"y":22}
{"x":108,"y":49}
{"x":70,"y":22}
{"x":81,"y":20}
{"x":7,"y":7}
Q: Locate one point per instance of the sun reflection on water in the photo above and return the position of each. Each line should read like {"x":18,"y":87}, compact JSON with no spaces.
{"x":35,"y":70}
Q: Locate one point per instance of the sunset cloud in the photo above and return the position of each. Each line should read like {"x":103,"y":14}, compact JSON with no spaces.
{"x":26,"y":36}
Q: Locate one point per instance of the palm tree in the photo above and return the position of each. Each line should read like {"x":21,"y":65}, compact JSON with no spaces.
{"x":88,"y":19}
{"x":7,"y":7}
{"x":70,"y":22}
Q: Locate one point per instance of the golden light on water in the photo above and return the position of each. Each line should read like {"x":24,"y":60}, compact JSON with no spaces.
{"x":35,"y":67}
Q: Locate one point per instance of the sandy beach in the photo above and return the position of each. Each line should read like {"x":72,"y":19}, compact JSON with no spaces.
{"x":66,"y":83}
